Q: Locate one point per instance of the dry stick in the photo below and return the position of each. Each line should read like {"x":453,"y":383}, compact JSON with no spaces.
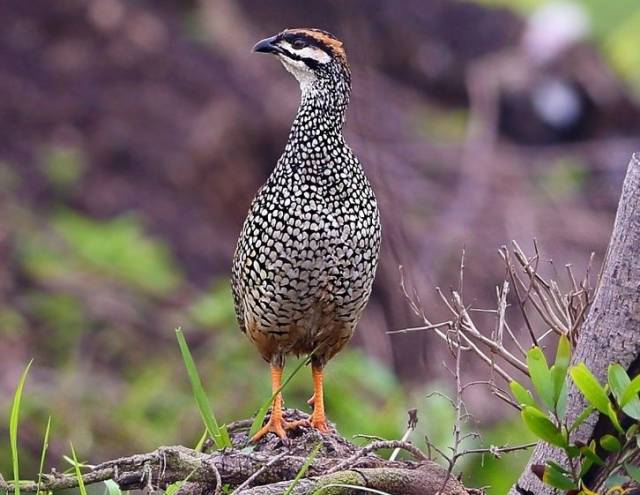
{"x":514,"y":339}
{"x":458,"y":410}
{"x":494,"y":346}
{"x":496,"y":451}
{"x":497,"y":391}
{"x":411,"y":426}
{"x":389,"y":444}
{"x":422,"y":328}
{"x":502,"y":308}
{"x":251,"y":478}
{"x":504,"y":252}
{"x":218,"y":490}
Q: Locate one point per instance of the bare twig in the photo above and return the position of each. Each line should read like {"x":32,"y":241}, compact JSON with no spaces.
{"x":411,"y":426}
{"x":389,"y":444}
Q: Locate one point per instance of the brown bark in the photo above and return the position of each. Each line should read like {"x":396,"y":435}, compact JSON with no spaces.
{"x":611,"y":331}
{"x":426,"y":479}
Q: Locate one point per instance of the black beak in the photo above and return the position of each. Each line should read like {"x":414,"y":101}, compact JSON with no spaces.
{"x":267,"y":46}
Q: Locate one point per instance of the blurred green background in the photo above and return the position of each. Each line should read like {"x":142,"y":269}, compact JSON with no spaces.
{"x":134,"y":135}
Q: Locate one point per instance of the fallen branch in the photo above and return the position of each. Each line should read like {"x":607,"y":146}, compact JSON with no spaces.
{"x":270,"y":466}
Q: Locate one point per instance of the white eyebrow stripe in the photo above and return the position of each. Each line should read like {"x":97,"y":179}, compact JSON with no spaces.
{"x":311,"y":52}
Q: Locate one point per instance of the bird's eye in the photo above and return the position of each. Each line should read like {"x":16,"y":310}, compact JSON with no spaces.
{"x":299,"y":44}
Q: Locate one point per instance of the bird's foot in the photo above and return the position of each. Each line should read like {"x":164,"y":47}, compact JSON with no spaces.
{"x":279,"y":427}
{"x":320,"y":423}
{"x":312,"y":400}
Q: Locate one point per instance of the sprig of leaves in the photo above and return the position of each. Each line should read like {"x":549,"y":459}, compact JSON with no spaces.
{"x":543,"y":413}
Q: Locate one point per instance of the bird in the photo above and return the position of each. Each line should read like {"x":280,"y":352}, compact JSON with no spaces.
{"x":307,"y":255}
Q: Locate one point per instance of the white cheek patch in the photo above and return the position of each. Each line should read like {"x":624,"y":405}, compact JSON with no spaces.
{"x":300,"y":71}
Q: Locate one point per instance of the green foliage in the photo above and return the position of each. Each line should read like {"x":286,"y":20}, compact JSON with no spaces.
{"x":119,"y":249}
{"x":558,"y":477}
{"x":541,"y":376}
{"x":615,"y":399}
{"x":13,"y":427}
{"x":303,"y":469}
{"x":625,"y":393}
{"x":543,"y":427}
{"x":63,"y":166}
{"x":521,"y":394}
{"x":218,"y":434}
{"x":76,"y":468}
{"x":112,"y":488}
{"x":590,"y":388}
{"x":563,"y":178}
{"x":214,"y":308}
{"x":43,"y":453}
{"x":116,"y":249}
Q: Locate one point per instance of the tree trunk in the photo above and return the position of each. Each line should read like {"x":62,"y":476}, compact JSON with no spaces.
{"x":611,"y":331}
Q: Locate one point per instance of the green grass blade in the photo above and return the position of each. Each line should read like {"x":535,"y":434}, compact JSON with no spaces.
{"x":199,"y":394}
{"x":262,"y":412}
{"x":200,"y":445}
{"x":111,"y":488}
{"x":76,"y":467}
{"x":173,"y":488}
{"x":45,"y":446}
{"x":303,"y":469}
{"x":13,"y":428}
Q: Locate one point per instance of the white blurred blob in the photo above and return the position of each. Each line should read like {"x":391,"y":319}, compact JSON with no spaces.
{"x":553,"y":28}
{"x":557,"y":103}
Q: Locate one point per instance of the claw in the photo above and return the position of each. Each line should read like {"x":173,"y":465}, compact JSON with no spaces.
{"x":279,"y":427}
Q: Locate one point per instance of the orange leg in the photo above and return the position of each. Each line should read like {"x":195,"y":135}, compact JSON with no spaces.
{"x":276,"y":423}
{"x":318,"y":417}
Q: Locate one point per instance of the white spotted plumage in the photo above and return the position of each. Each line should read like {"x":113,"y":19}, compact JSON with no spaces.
{"x":308,"y":251}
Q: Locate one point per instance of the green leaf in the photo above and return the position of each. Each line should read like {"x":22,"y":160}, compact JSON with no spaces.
{"x":43,"y":453}
{"x":200,"y":396}
{"x":554,"y":465}
{"x":631,"y":391}
{"x":585,"y":466}
{"x":13,"y":428}
{"x":303,"y":469}
{"x":557,"y":479}
{"x":559,"y":369}
{"x":112,"y":488}
{"x":590,"y":387}
{"x":541,"y":376}
{"x":633,"y":471}
{"x":561,"y":404}
{"x":613,"y":416}
{"x":610,"y":443}
{"x":589,"y":452}
{"x":76,"y":467}
{"x":203,"y":438}
{"x":173,"y":488}
{"x":590,"y":458}
{"x":619,"y":381}
{"x":521,"y":394}
{"x":542,"y":427}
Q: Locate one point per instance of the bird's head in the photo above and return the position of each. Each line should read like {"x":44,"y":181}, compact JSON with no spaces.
{"x":311,"y":55}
